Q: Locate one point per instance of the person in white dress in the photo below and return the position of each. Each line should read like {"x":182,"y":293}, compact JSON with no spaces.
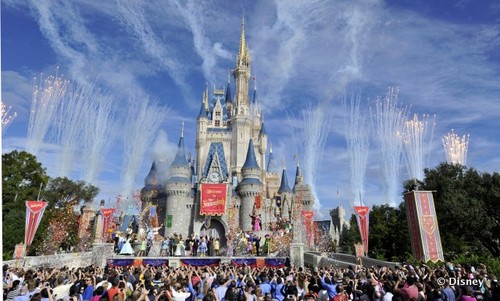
{"x":127,"y":248}
{"x":180,"y":250}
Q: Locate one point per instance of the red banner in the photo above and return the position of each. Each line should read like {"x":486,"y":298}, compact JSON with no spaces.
{"x":258,"y":201}
{"x":106,"y":213}
{"x":424,"y":231}
{"x":213,"y":199}
{"x":308,"y":216}
{"x":34,"y":213}
{"x":362,"y":216}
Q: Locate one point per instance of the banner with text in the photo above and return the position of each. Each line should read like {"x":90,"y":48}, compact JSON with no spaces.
{"x":107,"y":213}
{"x":423,"y":226}
{"x":362,"y":216}
{"x":34,"y":213}
{"x":213,"y":199}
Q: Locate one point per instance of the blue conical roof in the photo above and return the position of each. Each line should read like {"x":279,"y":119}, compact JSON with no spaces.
{"x":263,"y":130}
{"x":284,"y":187}
{"x":272,"y":166}
{"x":251,"y":161}
{"x":152,"y":178}
{"x":180,"y":156}
{"x":298,"y":177}
{"x":203,"y":112}
{"x":228,"y":92}
{"x":254,"y":101}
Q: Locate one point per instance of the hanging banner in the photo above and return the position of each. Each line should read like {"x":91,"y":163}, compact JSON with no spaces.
{"x":362,"y":216}
{"x":258,"y":201}
{"x":34,"y":213}
{"x":169,"y":221}
{"x":152,"y":211}
{"x":423,"y":226}
{"x":213,"y":199}
{"x":107,"y":213}
{"x":278,"y":201}
{"x":308,"y":216}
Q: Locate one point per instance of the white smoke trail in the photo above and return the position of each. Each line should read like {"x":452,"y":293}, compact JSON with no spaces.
{"x":99,"y":133}
{"x":389,"y":122}
{"x":69,"y":123}
{"x":140,"y":128}
{"x":311,"y":140}
{"x":356,"y":134}
{"x":417,"y":138}
{"x":46,"y":98}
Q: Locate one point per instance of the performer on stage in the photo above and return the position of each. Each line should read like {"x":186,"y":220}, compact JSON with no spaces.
{"x":127,"y":248}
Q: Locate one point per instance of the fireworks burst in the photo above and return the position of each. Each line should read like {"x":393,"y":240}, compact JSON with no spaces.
{"x":417,"y":137}
{"x":356,"y":135}
{"x":6,"y":118}
{"x":389,"y":124}
{"x":456,"y":148}
{"x":46,"y":97}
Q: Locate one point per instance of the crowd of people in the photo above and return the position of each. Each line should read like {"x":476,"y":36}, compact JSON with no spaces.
{"x":230,"y":283}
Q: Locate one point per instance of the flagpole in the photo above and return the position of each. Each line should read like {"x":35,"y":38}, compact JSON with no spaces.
{"x":39,"y":190}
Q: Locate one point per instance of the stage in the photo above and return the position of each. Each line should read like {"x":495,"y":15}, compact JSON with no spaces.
{"x":256,"y":262}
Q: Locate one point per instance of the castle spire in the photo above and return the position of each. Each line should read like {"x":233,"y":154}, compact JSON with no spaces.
{"x":251,"y":161}
{"x":228,"y":88}
{"x":272,"y":166}
{"x":243,"y":57}
{"x":205,"y":97}
{"x":284,"y":187}
{"x":180,"y":156}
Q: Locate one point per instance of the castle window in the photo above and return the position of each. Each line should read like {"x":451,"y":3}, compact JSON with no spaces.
{"x":217,"y":113}
{"x":217,"y":122}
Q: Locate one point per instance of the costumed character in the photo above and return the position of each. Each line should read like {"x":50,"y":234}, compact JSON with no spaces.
{"x":127,"y":248}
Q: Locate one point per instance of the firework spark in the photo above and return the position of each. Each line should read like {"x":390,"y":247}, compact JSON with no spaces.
{"x":389,"y":121}
{"x":456,"y":148}
{"x":417,"y":138}
{"x":46,"y":97}
{"x":311,"y":140}
{"x":6,"y":118}
{"x":356,"y":135}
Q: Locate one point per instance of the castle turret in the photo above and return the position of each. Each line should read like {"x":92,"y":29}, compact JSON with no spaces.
{"x":299,"y":180}
{"x":178,"y":190}
{"x":272,"y":175}
{"x":249,"y":187}
{"x":286,"y":194}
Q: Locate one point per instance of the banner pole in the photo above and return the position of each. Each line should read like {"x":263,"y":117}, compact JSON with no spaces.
{"x":39,"y":190}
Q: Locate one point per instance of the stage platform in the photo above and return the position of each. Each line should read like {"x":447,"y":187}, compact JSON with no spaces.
{"x":123,"y":261}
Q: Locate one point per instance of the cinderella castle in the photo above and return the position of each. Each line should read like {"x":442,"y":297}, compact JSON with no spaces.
{"x":234,"y":180}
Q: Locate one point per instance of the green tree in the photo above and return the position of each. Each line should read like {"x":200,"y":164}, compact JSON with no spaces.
{"x":467,"y":204}
{"x":388,"y":235}
{"x":22,"y":178}
{"x":64,"y":197}
{"x":351,"y":236}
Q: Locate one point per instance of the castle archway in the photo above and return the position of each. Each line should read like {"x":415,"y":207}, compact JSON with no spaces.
{"x":216,"y":229}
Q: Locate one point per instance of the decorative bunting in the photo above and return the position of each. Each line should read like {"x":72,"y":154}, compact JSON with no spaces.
{"x":34,"y":213}
{"x":362,"y":216}
{"x":423,"y":226}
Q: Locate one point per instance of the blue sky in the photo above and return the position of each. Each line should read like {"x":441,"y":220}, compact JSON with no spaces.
{"x":443,"y":56}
